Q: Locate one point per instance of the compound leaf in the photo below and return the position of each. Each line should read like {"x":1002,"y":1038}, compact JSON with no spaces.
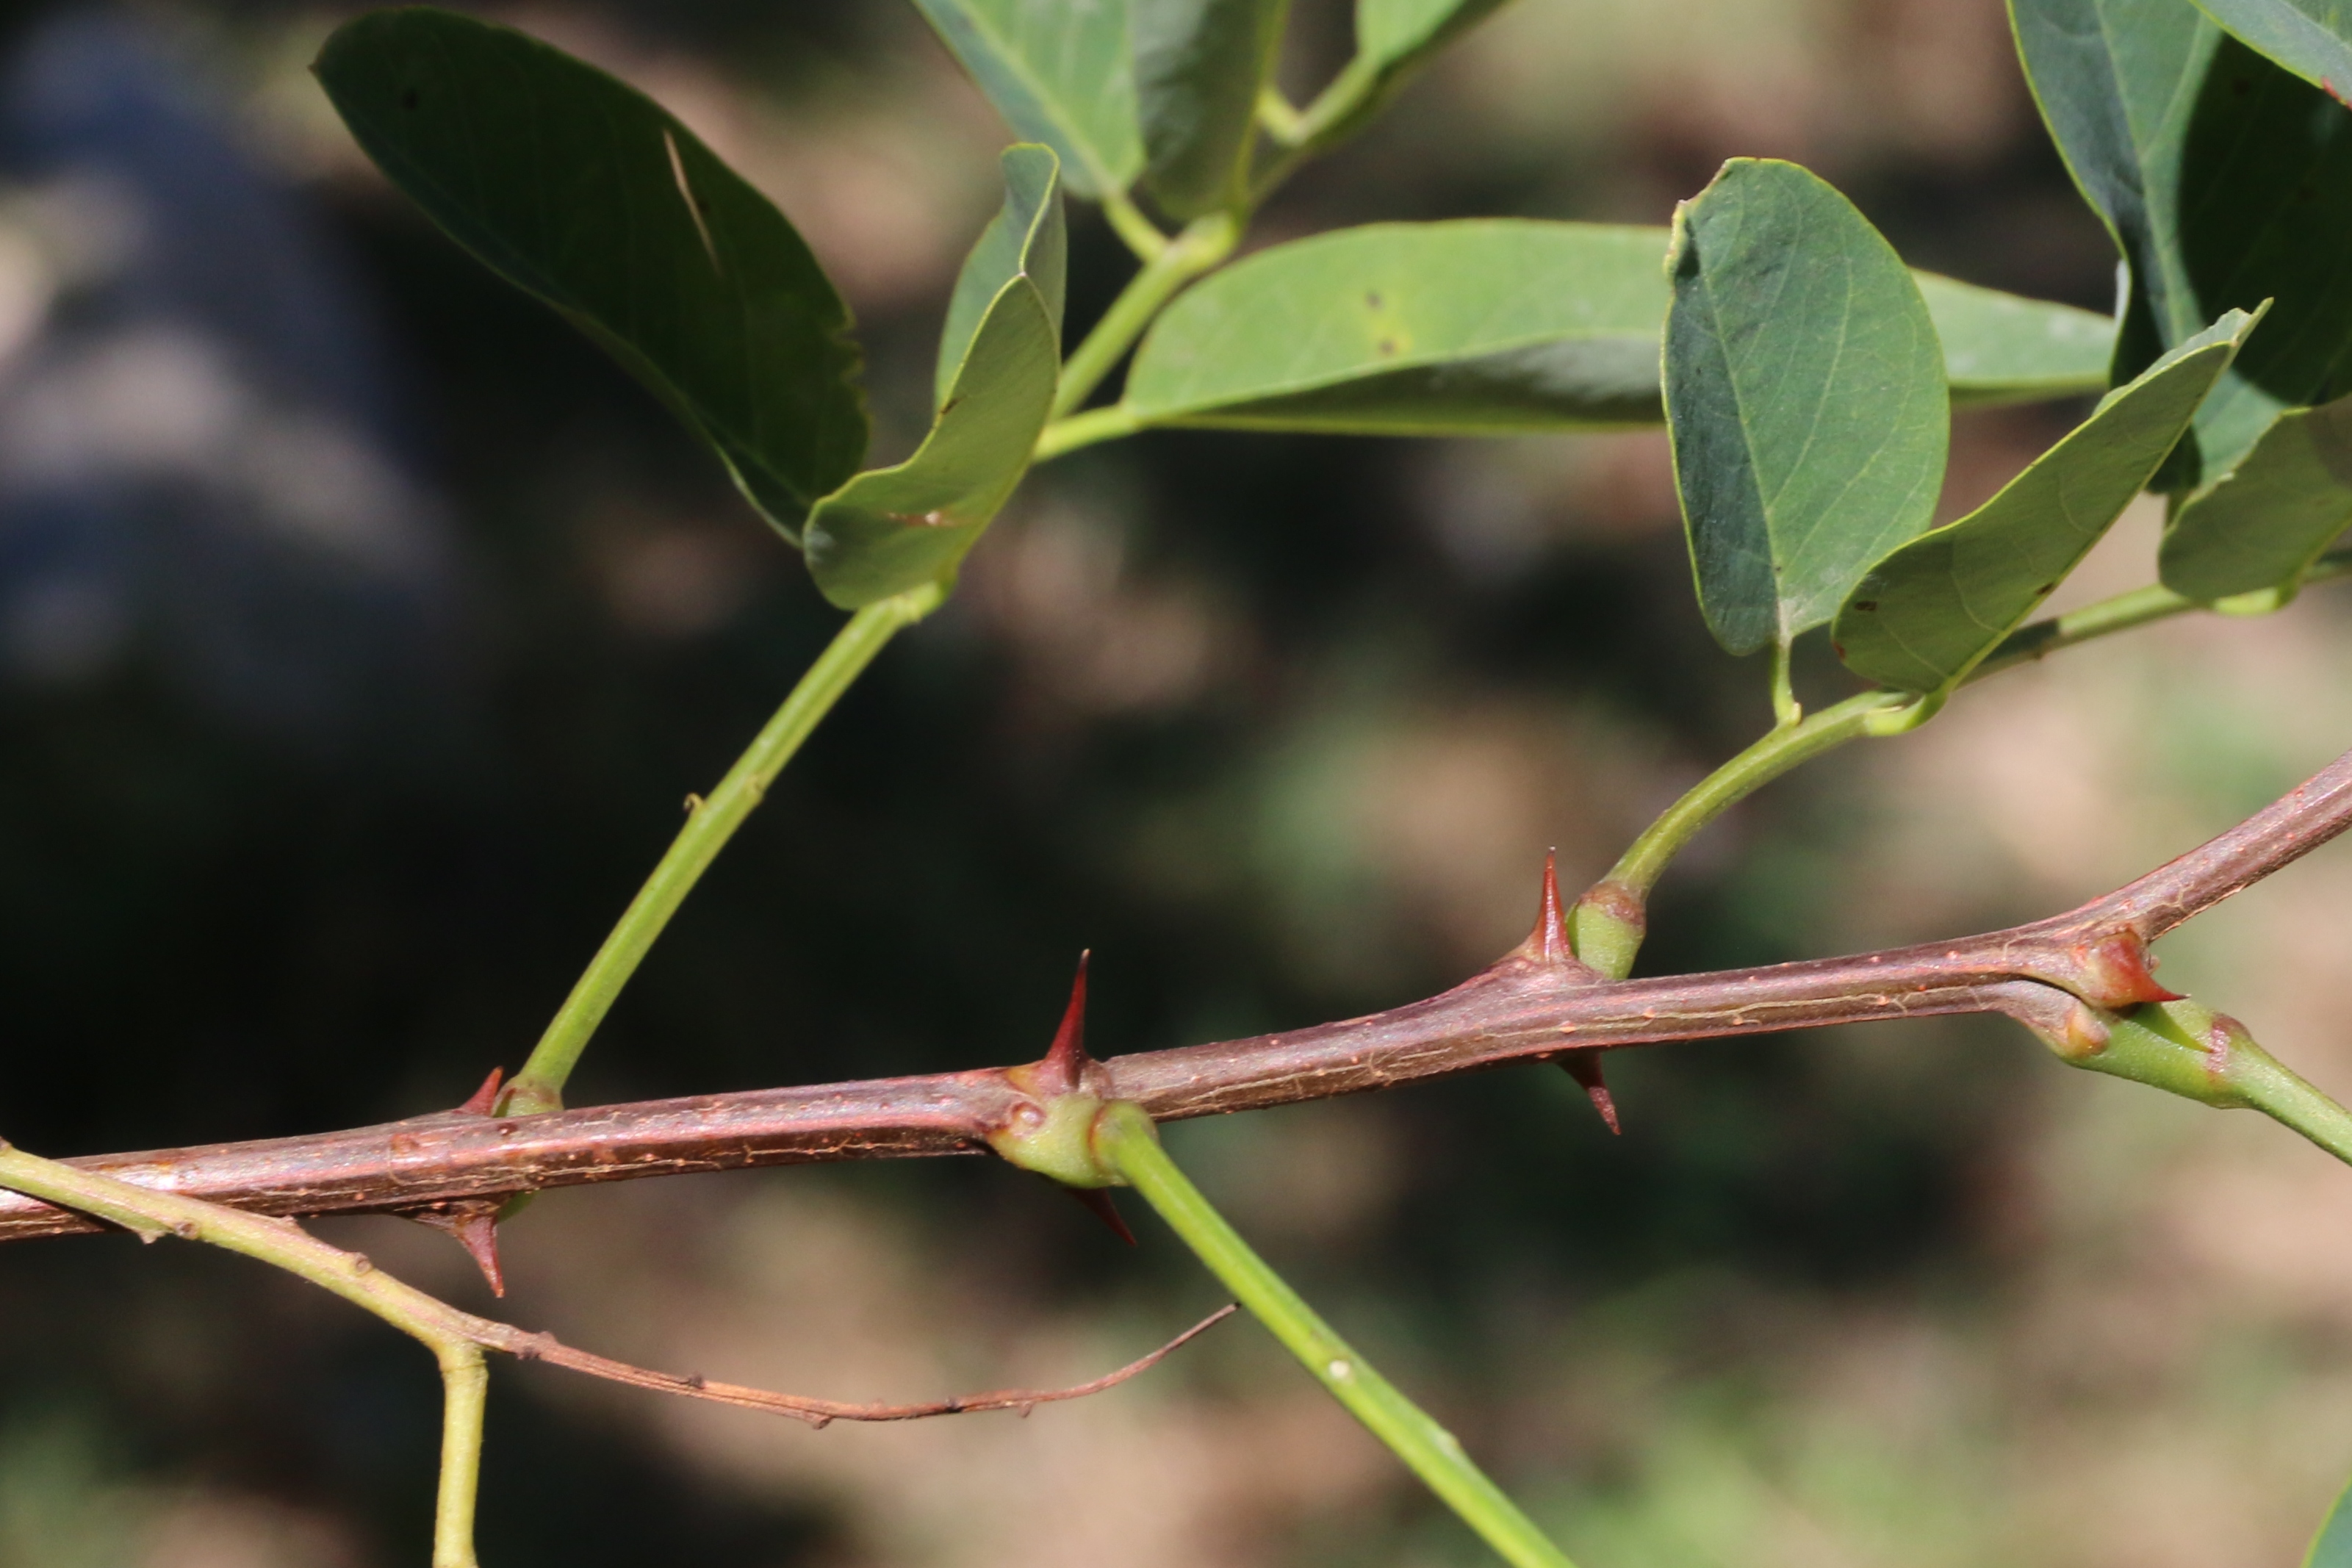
{"x":1805,"y":399}
{"x":2262,"y":524}
{"x":1498,"y":326}
{"x":2226,"y":182}
{"x":1026,"y":238}
{"x":585,"y":193}
{"x":894,"y":529}
{"x":1925,"y":614}
{"x":1061,"y":72}
{"x":1199,"y":67}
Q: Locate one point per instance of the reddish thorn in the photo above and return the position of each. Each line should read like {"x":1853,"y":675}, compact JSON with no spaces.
{"x":478,"y":1234}
{"x":1584,"y":1067}
{"x":1548,"y":940}
{"x":1097,"y":1201}
{"x":1067,"y":1060}
{"x":2119,"y":972}
{"x":474,"y":1226}
{"x":485,"y":1098}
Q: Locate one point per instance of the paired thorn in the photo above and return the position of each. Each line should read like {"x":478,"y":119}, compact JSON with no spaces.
{"x":1067,"y":1060}
{"x":1547,"y":944}
{"x":2119,"y":972}
{"x":474,"y":1224}
{"x":1098,"y":1202}
{"x":1584,"y":1067}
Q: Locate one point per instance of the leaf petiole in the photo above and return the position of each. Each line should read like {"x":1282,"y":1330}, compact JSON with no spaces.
{"x":710,"y":823}
{"x":1125,"y":1140}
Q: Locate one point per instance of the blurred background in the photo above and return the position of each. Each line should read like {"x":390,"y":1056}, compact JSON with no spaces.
{"x":361,"y":630}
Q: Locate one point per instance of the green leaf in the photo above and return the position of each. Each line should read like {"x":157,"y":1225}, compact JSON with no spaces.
{"x":1060,"y":72}
{"x":1924,"y":615}
{"x":1394,"y":36}
{"x":1804,"y":397}
{"x":1471,"y":327}
{"x":2262,"y":524}
{"x":585,"y":193}
{"x":2005,"y":348}
{"x":1199,"y":65}
{"x":894,"y":529}
{"x":2332,"y":1548}
{"x":2313,"y":39}
{"x":2225,"y":181}
{"x":1026,"y":238}
{"x":1494,"y":326}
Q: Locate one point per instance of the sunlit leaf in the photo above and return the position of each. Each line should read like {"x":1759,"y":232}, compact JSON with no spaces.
{"x":897,"y":528}
{"x":1026,"y":238}
{"x":2262,"y":524}
{"x":1804,"y":396}
{"x":585,"y":192}
{"x":1199,"y":65}
{"x":1061,"y":72}
{"x":1924,"y":615}
{"x":1496,"y":326}
{"x":2226,"y":181}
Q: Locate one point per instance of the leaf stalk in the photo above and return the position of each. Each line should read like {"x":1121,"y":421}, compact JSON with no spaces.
{"x":710,"y":822}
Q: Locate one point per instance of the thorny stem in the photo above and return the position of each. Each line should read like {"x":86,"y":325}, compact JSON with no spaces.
{"x":1205,"y":242}
{"x":1126,"y":1140}
{"x":1516,"y":1011}
{"x":709,"y":823}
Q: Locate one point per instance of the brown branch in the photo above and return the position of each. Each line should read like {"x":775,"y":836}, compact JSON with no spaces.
{"x":1522,"y":1008}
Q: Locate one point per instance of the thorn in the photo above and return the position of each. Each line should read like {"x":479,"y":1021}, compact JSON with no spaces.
{"x":1549,"y":942}
{"x":485,"y":1098}
{"x":1584,"y":1067}
{"x":1097,"y":1201}
{"x":474,"y":1225}
{"x":2119,"y":972}
{"x":1066,"y":1061}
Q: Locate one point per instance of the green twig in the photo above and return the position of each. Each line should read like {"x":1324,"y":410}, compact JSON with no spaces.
{"x":1205,"y":242}
{"x":1106,"y":424}
{"x":1602,"y":928}
{"x":709,"y":823}
{"x":1127,"y":220}
{"x":1126,"y":1142}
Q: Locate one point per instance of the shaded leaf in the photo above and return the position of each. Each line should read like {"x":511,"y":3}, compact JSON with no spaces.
{"x":2313,"y":39}
{"x":2226,"y":182}
{"x":2262,"y":524}
{"x":585,"y":192}
{"x":1496,"y":326}
{"x":1199,"y":65}
{"x":1924,"y":615}
{"x":1804,"y":397}
{"x":898,"y":528}
{"x":1061,"y":73}
{"x":1026,"y":238}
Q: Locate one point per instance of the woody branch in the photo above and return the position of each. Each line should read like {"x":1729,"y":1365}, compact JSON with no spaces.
{"x":1533,"y":1004}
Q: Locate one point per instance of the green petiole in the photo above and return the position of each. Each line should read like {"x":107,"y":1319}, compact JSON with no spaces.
{"x":1125,"y":1140}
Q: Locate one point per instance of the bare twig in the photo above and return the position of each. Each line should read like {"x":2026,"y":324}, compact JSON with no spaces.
{"x":1520,"y":1009}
